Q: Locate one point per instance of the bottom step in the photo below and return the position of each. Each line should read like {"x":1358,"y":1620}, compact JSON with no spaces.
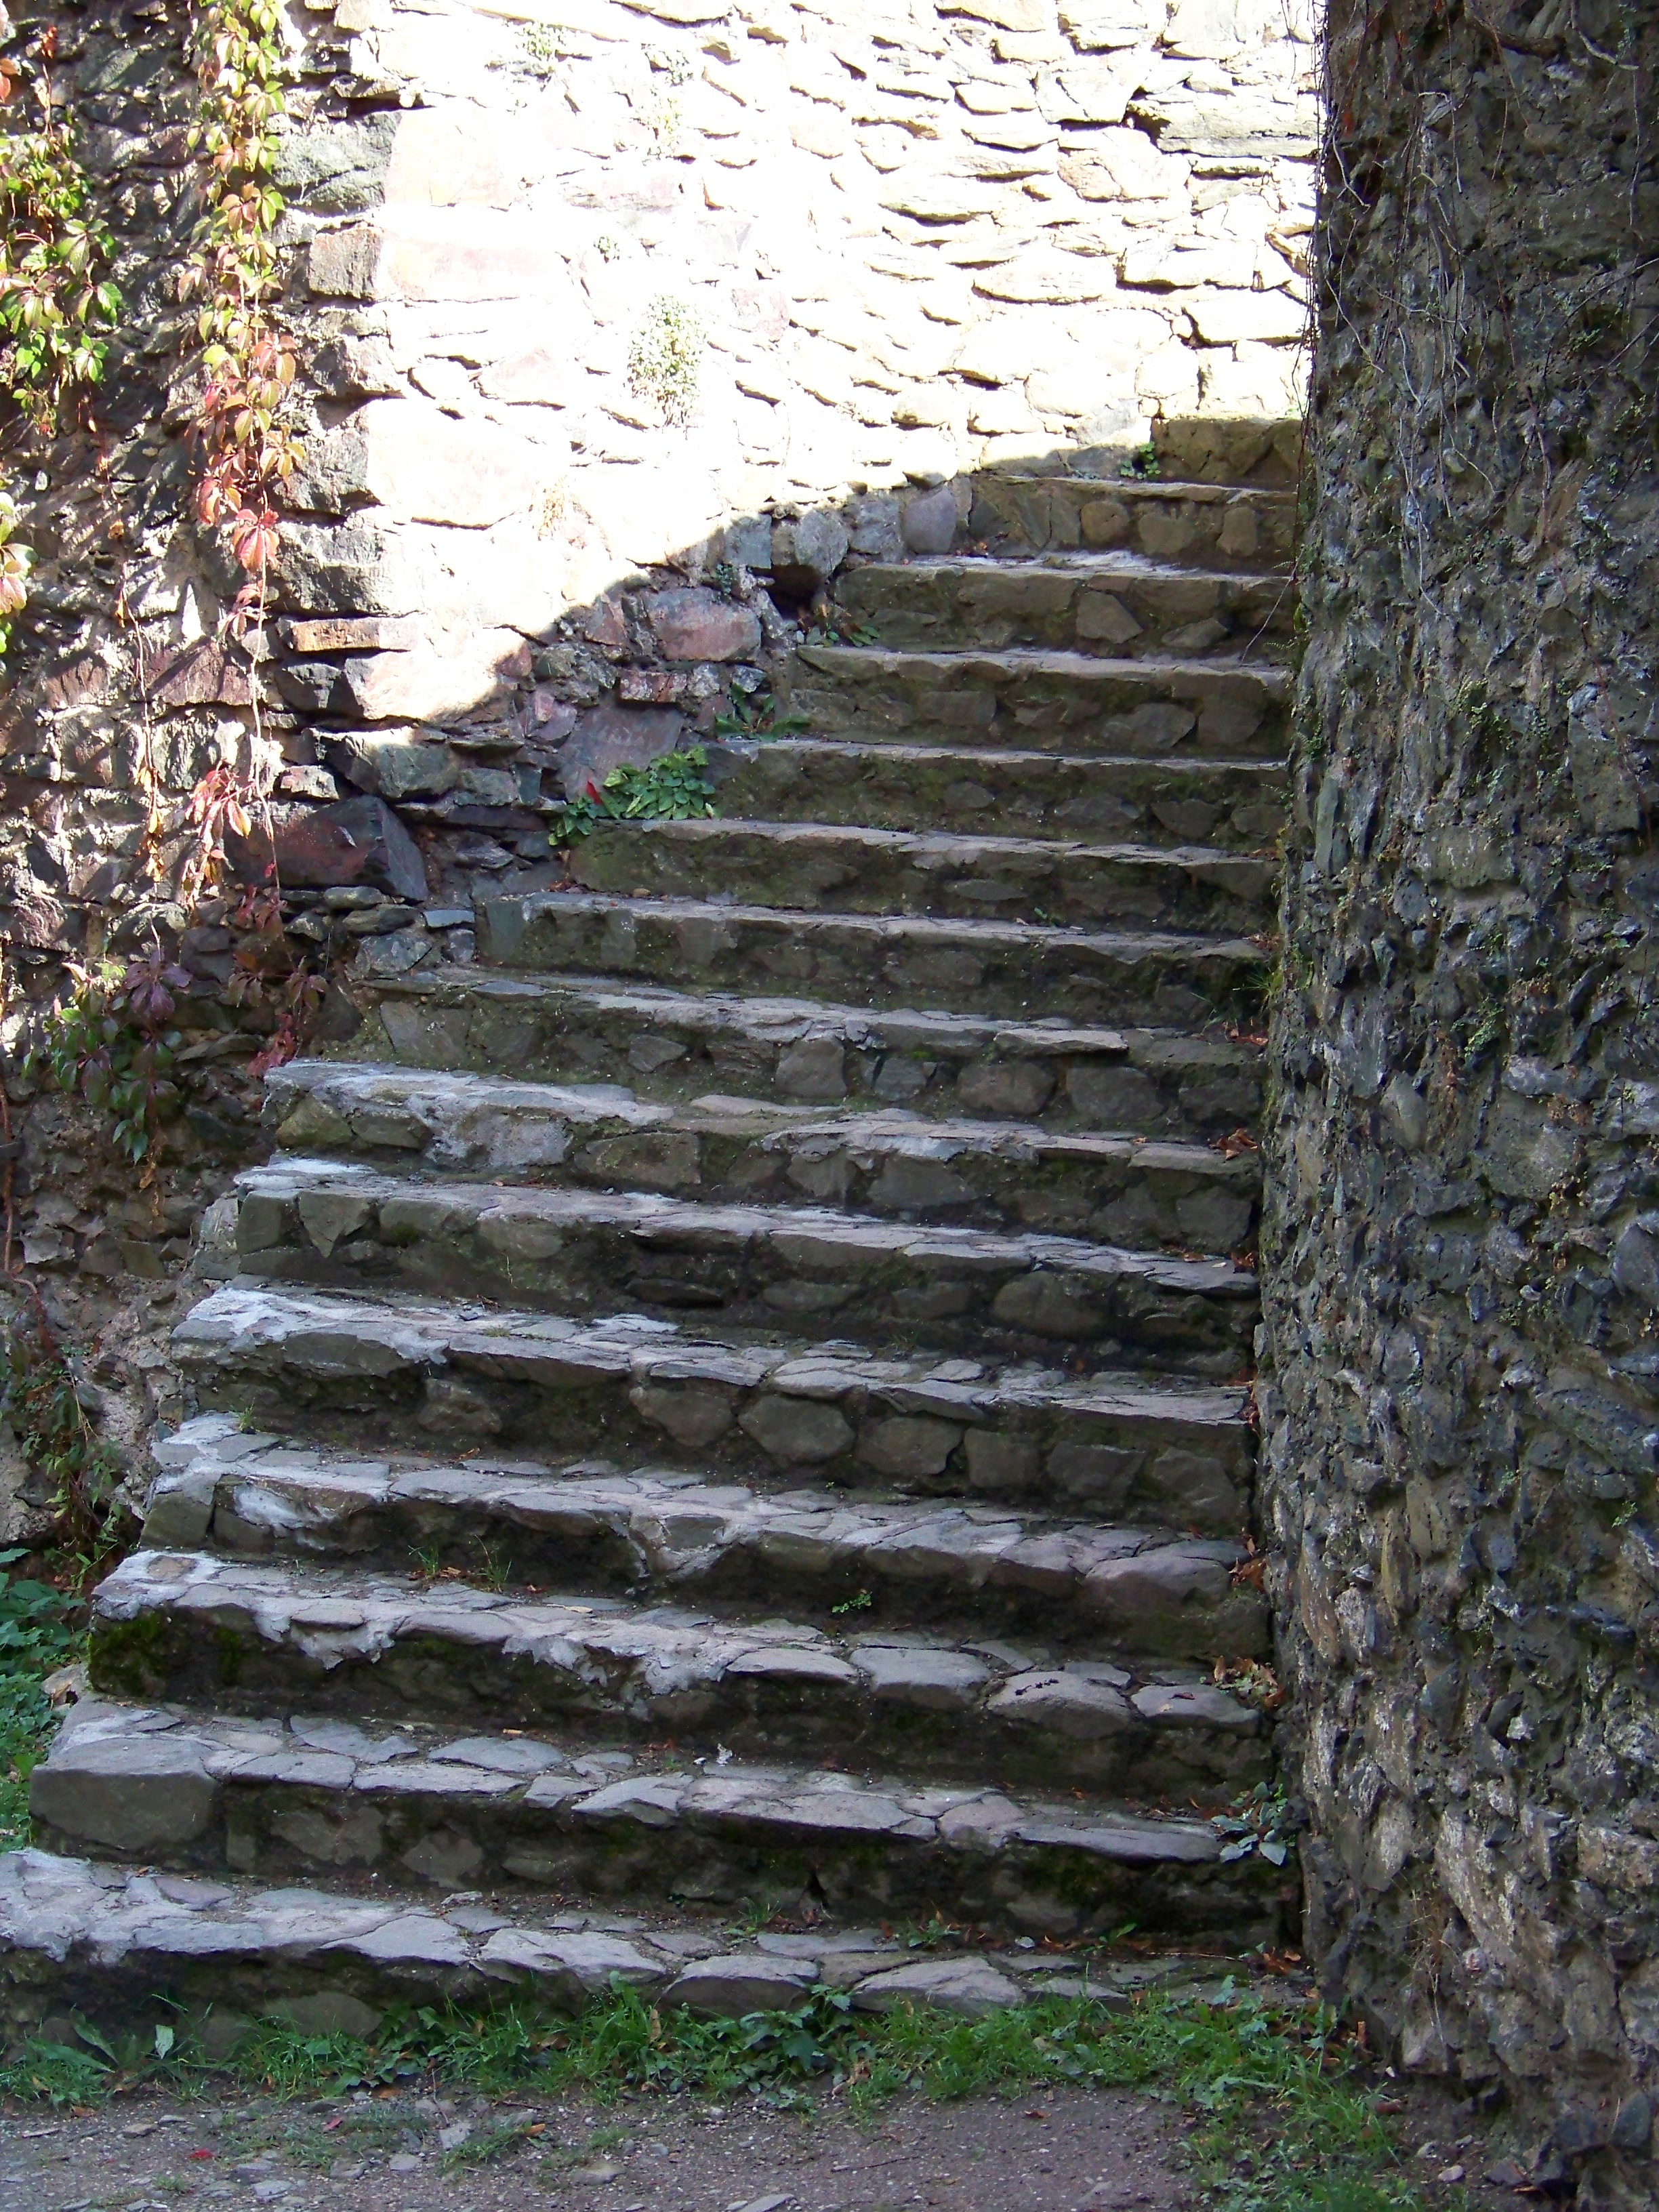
{"x":82,"y":1941}
{"x":408,"y":1803}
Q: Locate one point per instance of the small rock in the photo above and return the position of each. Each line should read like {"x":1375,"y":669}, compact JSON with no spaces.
{"x":929,"y":524}
{"x":739,"y":1984}
{"x":972,"y":1986}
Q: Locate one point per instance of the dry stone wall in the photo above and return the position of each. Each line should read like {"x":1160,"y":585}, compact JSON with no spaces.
{"x":1461,"y":1415}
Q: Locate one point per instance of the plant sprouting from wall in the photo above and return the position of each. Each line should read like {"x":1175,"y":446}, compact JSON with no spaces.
{"x":111,"y":1041}
{"x":245,"y":440}
{"x":673,"y":788}
{"x":666,"y":359}
{"x":57,"y":301}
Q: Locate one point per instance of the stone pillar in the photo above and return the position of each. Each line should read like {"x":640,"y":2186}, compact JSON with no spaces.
{"x":1460,"y":1411}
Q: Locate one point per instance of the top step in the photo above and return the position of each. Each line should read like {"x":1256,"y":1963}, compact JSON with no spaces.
{"x":1215,"y":526}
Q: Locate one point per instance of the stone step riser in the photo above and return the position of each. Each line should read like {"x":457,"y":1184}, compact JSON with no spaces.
{"x":677,"y":1050}
{"x":817,"y":1275}
{"x":1001,"y":970}
{"x":1072,"y":703}
{"x":1210,"y":525}
{"x":1113,"y":1190}
{"x":1115,"y":613}
{"x":378,"y":1378}
{"x":1172,"y":1601}
{"x":1234,"y":805}
{"x":598,"y":1676}
{"x":670,"y":1839}
{"x":892,"y":872}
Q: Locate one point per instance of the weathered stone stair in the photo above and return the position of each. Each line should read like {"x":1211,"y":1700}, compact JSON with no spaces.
{"x":740,"y":1396}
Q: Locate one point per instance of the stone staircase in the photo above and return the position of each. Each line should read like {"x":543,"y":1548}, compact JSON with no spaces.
{"x":736,"y":1400}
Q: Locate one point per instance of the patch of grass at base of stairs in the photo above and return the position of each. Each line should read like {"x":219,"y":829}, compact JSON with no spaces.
{"x":1280,"y":2116}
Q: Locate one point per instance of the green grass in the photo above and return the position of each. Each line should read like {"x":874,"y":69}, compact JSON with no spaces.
{"x":35,"y":1639}
{"x":1283,"y":2119}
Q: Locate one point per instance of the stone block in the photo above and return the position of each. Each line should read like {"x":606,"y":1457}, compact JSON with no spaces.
{"x":424,"y":465}
{"x":607,"y":737}
{"x":743,"y":1983}
{"x":449,"y":674}
{"x":806,"y":552}
{"x":360,"y":841}
{"x":694,"y":624}
{"x":146,"y":1796}
{"x":929,"y":523}
{"x":343,"y":264}
{"x":973,"y":1987}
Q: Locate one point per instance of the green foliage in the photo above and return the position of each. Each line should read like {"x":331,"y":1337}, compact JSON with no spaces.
{"x":1257,"y":1825}
{"x":111,"y":1041}
{"x":35,"y":1639}
{"x":1143,"y":465}
{"x":56,"y":302}
{"x":666,"y":359}
{"x":754,"y":714}
{"x":540,"y":42}
{"x":673,"y":788}
{"x":41,"y":1401}
{"x":1285,"y":2122}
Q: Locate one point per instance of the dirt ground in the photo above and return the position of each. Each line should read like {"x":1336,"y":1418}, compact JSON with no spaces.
{"x":1071,"y":2150}
{"x":1064,"y":2150}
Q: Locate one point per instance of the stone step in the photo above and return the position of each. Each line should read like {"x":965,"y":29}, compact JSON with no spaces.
{"x":683,"y":1047}
{"x":376,"y":1373}
{"x":809,"y":1269}
{"x":1024,"y":970}
{"x":837,"y":869}
{"x":1214,"y":526}
{"x":308,"y":1796}
{"x":1238,"y":804}
{"x":1117,"y":604}
{"x":996,"y":1175}
{"x":1041,"y":702}
{"x":663,"y":1534}
{"x":276,"y":1638}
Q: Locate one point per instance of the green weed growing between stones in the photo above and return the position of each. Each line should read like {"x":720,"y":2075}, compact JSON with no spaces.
{"x":674,"y":787}
{"x":35,"y":1639}
{"x":666,"y":359}
{"x":1283,"y":2119}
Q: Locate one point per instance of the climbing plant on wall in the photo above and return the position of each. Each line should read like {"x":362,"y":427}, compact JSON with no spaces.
{"x":244,"y":436}
{"x":57,"y":303}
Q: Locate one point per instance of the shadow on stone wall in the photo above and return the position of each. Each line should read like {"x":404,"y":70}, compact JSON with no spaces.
{"x":431,"y":811}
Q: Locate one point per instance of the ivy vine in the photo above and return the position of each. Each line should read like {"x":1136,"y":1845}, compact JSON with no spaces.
{"x":243,"y":428}
{"x":57,"y":301}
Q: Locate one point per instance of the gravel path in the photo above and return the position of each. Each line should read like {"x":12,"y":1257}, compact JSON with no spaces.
{"x":1070,"y":2150}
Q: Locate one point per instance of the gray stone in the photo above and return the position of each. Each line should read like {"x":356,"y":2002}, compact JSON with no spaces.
{"x":929,"y":522}
{"x":970,"y":1986}
{"x":807,"y":552}
{"x":146,"y":1796}
{"x":935,"y":1681}
{"x":741,"y":1983}
{"x":797,"y":1432}
{"x":1065,"y":1703}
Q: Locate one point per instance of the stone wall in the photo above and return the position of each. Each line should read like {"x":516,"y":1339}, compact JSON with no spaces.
{"x":913,"y":255}
{"x":1461,"y":1420}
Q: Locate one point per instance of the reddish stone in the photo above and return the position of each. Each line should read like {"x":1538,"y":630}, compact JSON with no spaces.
{"x":360,"y":841}
{"x":605,"y":625}
{"x":694,"y":624}
{"x":352,"y":634}
{"x":609,"y":737}
{"x":208,"y":674}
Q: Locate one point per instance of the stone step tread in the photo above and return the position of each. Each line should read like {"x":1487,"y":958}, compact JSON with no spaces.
{"x":1083,"y":561}
{"x":106,"y":1940}
{"x":682,"y":1043}
{"x":666,"y":1530}
{"x":1126,"y":944}
{"x":936,"y":849}
{"x":1146,"y":977}
{"x":836,"y":868}
{"x":1006,"y":662}
{"x":1172,"y":1453}
{"x":337,"y":1199}
{"x":261,"y":1636}
{"x":137,"y":1779}
{"x":491,"y":1123}
{"x":1111,"y":604}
